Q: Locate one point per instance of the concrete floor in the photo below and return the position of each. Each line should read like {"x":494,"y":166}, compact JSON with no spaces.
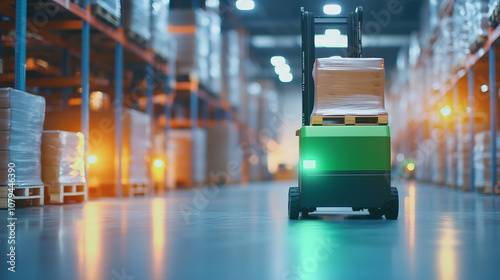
{"x":244,"y":233}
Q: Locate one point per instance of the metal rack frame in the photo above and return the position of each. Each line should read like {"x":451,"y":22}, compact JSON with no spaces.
{"x":85,"y":23}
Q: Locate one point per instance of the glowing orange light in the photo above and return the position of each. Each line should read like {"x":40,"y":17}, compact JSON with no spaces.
{"x":92,"y":159}
{"x":158,"y":163}
{"x":446,"y":110}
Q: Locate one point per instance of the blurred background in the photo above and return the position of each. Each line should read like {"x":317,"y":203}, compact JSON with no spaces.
{"x":161,"y":100}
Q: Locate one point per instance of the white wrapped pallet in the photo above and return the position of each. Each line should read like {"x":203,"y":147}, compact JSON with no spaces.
{"x":21,"y":121}
{"x":159,"y":24}
{"x":136,"y":18}
{"x":191,"y":156}
{"x":232,"y":81}
{"x":482,"y":158}
{"x":62,"y":157}
{"x":224,"y":158}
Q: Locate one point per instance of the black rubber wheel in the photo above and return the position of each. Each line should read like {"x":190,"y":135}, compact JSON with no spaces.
{"x":375,"y":212}
{"x":293,"y":203}
{"x":391,"y":207}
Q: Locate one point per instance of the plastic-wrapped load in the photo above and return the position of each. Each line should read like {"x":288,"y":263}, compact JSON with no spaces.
{"x":224,"y":158}
{"x":190,"y":156}
{"x":159,"y":25}
{"x":62,"y":157}
{"x":493,"y":12}
{"x":215,"y":56}
{"x":460,"y":35}
{"x":21,"y":121}
{"x":479,"y":26}
{"x":231,"y":86}
{"x":137,"y":19}
{"x":111,"y":6}
{"x":450,"y":161}
{"x":349,"y":86}
{"x":140,"y":143}
{"x":192,"y":49}
{"x":482,"y":158}
{"x":445,"y":50}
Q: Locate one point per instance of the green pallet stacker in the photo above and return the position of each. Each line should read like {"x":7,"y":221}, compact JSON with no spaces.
{"x":340,"y":165}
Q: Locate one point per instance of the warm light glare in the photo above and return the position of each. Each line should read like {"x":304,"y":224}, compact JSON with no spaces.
{"x":282,"y":69}
{"x":158,"y":163}
{"x":446,"y":110}
{"x":92,"y":159}
{"x":245,"y":5}
{"x":309,"y":164}
{"x":286,"y":77}
{"x":410,"y":167}
{"x":332,"y":9}
{"x":277,"y":60}
{"x":484,"y":88}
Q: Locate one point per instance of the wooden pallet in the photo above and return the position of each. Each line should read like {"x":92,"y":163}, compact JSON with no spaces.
{"x":136,"y":38}
{"x":63,"y":193}
{"x":135,"y":190}
{"x":381,"y":119}
{"x":25,"y":196}
{"x":105,"y":16}
{"x":487,"y":189}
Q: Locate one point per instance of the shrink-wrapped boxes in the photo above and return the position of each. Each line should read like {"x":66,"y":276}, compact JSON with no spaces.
{"x":136,"y":18}
{"x":21,"y":122}
{"x":190,"y":156}
{"x":62,"y":157}
{"x":225,"y":157}
{"x":345,"y":86}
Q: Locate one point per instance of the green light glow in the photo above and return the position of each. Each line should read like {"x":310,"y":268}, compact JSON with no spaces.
{"x":309,"y":164}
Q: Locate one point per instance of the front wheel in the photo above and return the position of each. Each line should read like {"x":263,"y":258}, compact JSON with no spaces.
{"x":293,"y":203}
{"x":391,"y":207}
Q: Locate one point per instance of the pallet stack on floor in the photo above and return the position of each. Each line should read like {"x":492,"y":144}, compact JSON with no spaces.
{"x":21,"y":121}
{"x":63,"y":166}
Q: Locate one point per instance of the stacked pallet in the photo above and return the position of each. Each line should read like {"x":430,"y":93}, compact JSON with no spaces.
{"x":136,"y":19}
{"x":199,"y":44}
{"x":21,"y":120}
{"x":450,"y":162}
{"x":63,"y":166}
{"x":190,"y":156}
{"x":482,"y":160}
{"x":224,"y":158}
{"x":160,"y":40}
{"x":108,"y":11}
{"x":349,"y":91}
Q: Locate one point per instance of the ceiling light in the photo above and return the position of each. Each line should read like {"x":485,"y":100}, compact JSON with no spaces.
{"x":245,"y":5}
{"x":282,"y":69}
{"x":332,"y":9}
{"x":277,"y":60}
{"x":484,"y":88}
{"x":286,"y":77}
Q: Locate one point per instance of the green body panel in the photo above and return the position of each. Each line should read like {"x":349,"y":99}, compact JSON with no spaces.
{"x":346,"y":148}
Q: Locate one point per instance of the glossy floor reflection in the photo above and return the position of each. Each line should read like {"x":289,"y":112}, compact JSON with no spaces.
{"x":243,"y":232}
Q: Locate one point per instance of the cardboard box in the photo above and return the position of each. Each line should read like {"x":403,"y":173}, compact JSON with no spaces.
{"x":349,"y":86}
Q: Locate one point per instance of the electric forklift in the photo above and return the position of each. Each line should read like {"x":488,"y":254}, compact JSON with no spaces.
{"x":340,"y":165}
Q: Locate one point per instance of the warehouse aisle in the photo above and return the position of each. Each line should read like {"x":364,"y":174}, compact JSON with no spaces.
{"x":244,"y":233}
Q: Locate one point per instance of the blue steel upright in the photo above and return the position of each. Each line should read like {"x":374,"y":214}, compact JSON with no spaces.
{"x":118,"y":106}
{"x":470,"y":79}
{"x":455,"y":130}
{"x":20,"y":51}
{"x":493,"y":117}
{"x":150,"y":112}
{"x":85,"y":69}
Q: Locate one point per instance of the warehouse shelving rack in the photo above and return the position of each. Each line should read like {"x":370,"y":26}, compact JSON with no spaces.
{"x":80,"y":18}
{"x":482,"y":63}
